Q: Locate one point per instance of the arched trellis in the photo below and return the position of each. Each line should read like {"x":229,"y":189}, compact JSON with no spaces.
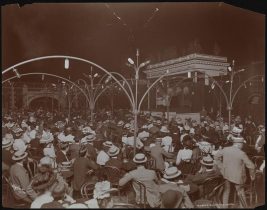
{"x":52,"y":75}
{"x":71,"y":58}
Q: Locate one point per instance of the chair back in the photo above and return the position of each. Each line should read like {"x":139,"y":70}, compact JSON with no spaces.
{"x":32,"y":167}
{"x":151,"y":164}
{"x":210,"y":184}
{"x":142,"y":192}
{"x":87,"y":190}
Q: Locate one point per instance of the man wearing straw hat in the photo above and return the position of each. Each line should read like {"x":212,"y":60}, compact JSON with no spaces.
{"x":232,"y":162}
{"x":170,"y":182}
{"x":145,"y":176}
{"x":19,"y":177}
{"x":7,"y":142}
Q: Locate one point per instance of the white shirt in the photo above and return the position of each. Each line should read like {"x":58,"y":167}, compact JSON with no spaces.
{"x":102,"y":158}
{"x":183,"y":154}
{"x":167,"y":144}
{"x":42,"y":199}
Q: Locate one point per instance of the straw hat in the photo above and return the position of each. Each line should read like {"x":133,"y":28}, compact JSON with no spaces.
{"x":19,"y":155}
{"x":7,"y":141}
{"x":207,"y":161}
{"x":172,"y":172}
{"x":108,"y":144}
{"x":143,"y":135}
{"x":43,"y":181}
{"x":140,"y":158}
{"x":102,"y":190}
{"x":113,"y":151}
{"x":164,"y":129}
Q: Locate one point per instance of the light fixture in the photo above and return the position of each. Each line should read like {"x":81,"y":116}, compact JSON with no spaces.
{"x":227,"y":81}
{"x":96,"y":75}
{"x":193,"y":93}
{"x":63,"y":82}
{"x":229,"y":68}
{"x":66,"y":63}
{"x":250,"y":84}
{"x":42,"y":76}
{"x":144,"y":64}
{"x":189,"y":74}
{"x":54,"y":85}
{"x":245,"y":85}
{"x":17,"y":73}
{"x":131,"y":61}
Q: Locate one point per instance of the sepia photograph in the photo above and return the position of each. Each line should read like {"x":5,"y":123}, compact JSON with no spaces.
{"x":133,"y":105}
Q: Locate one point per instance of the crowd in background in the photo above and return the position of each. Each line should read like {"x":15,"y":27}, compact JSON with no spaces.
{"x":48,"y":159}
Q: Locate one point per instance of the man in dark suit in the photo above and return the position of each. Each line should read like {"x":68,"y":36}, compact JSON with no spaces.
{"x":19,"y":178}
{"x":232,"y":162}
{"x":81,"y":166}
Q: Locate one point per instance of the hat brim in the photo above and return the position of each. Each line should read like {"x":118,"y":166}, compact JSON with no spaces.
{"x":206,"y":164}
{"x":172,"y":176}
{"x":7,"y":145}
{"x":20,"y":158}
{"x":114,"y":154}
{"x":143,"y":161}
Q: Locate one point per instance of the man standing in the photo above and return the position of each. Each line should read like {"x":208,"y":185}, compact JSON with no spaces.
{"x":232,"y":162}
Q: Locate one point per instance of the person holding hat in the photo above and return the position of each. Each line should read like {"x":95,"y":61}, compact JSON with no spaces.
{"x":81,"y":166}
{"x":145,"y":176}
{"x":232,"y":161}
{"x":169,"y":182}
{"x":19,"y":177}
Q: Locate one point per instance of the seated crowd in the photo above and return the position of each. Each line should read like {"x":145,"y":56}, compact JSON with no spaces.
{"x":50,"y":161}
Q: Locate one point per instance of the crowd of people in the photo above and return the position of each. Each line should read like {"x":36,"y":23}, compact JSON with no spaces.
{"x":51,"y":160}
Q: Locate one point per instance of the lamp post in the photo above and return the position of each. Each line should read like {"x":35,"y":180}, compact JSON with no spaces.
{"x":232,"y":72}
{"x":91,"y":92}
{"x":136,"y":68}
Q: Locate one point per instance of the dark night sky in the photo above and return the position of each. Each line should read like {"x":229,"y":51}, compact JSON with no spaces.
{"x":91,"y":31}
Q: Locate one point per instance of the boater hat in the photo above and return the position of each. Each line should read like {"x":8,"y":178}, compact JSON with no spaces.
{"x":108,"y":144}
{"x":7,"y":141}
{"x":207,"y":161}
{"x":113,"y":151}
{"x":139,"y":158}
{"x":19,"y":155}
{"x":164,"y":129}
{"x":171,"y":173}
{"x":238,"y":139}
